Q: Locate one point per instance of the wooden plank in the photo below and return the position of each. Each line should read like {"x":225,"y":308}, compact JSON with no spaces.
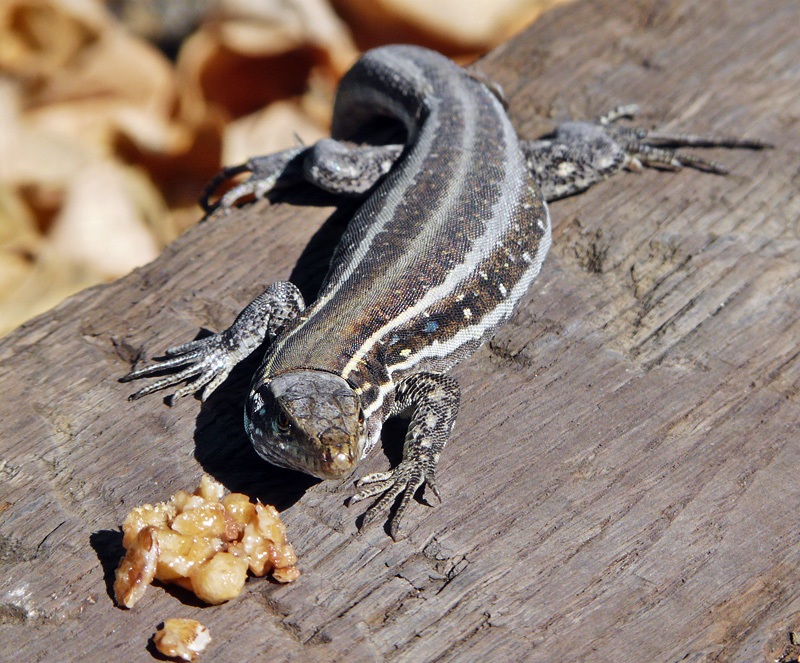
{"x":622,"y":481}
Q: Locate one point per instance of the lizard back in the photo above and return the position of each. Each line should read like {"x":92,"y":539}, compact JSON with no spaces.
{"x":443,"y":248}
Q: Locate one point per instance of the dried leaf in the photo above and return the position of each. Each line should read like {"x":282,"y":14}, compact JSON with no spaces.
{"x":102,"y":223}
{"x":450,"y":26}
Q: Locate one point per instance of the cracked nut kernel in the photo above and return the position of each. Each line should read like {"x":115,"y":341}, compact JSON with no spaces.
{"x":220,"y":579}
{"x":144,"y":516}
{"x":210,"y":490}
{"x":137,"y":569}
{"x":241,"y":510}
{"x":205,"y":520}
{"x":288,"y":574}
{"x":204,"y":542}
{"x":182,"y":638}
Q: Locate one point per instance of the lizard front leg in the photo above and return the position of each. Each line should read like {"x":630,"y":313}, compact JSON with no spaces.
{"x":210,"y":360}
{"x":431,"y":400}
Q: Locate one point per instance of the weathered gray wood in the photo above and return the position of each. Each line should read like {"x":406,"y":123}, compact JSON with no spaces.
{"x":622,"y":485}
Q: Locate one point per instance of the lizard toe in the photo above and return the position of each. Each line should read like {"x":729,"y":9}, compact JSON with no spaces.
{"x":403,"y":481}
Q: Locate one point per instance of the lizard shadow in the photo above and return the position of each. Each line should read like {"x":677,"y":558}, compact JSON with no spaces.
{"x":107,"y":545}
{"x":222,"y":446}
{"x":224,"y":451}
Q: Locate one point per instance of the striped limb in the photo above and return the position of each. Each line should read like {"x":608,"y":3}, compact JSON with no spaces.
{"x":431,"y":400}
{"x":208,"y":361}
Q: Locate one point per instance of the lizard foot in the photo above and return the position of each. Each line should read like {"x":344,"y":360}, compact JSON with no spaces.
{"x":267,"y":173}
{"x":208,"y":360}
{"x":659,"y":149}
{"x":576,"y":155}
{"x":408,"y":477}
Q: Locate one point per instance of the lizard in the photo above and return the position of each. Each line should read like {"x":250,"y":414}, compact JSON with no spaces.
{"x":452,"y":229}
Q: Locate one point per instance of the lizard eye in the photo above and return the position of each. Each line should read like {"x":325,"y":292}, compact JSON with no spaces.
{"x":282,"y":419}
{"x":361,"y":417}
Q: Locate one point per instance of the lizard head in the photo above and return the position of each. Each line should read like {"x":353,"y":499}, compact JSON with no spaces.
{"x":309,"y":421}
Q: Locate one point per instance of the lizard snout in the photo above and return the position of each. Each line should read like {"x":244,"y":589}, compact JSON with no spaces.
{"x":338,"y":460}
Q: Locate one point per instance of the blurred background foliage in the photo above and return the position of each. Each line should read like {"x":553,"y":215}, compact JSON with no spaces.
{"x":114,"y":115}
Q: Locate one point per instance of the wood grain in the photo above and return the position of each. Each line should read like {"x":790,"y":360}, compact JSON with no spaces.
{"x":622,"y":483}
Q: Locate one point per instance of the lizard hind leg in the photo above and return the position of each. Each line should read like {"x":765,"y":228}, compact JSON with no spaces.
{"x":578,"y":154}
{"x":572,"y":158}
{"x":346,"y":168}
{"x":432,"y":400}
{"x":335,"y":166}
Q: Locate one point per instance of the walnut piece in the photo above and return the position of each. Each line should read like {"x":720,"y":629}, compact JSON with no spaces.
{"x":204,"y":542}
{"x":137,"y":569}
{"x":182,"y":638}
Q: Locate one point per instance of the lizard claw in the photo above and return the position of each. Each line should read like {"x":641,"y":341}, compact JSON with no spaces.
{"x":205,"y":362}
{"x":404,"y":480}
{"x":267,"y":173}
{"x":208,"y":361}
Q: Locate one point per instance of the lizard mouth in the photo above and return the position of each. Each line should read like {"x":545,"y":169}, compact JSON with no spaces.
{"x":333,"y":461}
